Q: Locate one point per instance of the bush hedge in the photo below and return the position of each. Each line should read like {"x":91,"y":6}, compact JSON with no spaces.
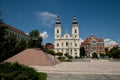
{"x":15,"y":71}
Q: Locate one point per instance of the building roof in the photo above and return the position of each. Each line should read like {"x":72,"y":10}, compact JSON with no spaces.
{"x":12,"y":28}
{"x":34,"y":57}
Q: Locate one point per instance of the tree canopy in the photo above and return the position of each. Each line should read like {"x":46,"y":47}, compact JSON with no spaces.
{"x":113,"y":53}
{"x":34,"y":34}
{"x":35,"y":39}
{"x":9,"y":44}
{"x":82,"y":51}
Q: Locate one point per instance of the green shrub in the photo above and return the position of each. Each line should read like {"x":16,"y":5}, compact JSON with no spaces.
{"x":94,"y":55}
{"x":42,"y":76}
{"x":15,"y":71}
{"x":102,"y":55}
{"x":59,"y":54}
{"x":51,"y":52}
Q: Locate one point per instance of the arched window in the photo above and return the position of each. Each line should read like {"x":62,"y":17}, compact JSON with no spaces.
{"x":57,"y":44}
{"x":57,"y":31}
{"x":75,"y":31}
{"x":66,"y":36}
{"x":93,"y":43}
{"x":75,"y":44}
{"x":57,"y":36}
{"x":75,"y":36}
{"x":66,"y":43}
{"x":62,"y":44}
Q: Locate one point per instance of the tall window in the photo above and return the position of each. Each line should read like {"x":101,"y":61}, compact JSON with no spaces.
{"x":94,"y":49}
{"x":57,"y":44}
{"x":93,"y":43}
{"x":57,"y":31}
{"x":66,"y":36}
{"x":75,"y":49}
{"x":62,"y":44}
{"x":75,"y":44}
{"x":66,"y":43}
{"x":100,"y":49}
{"x":75,"y":36}
{"x":57,"y":36}
{"x":75,"y":31}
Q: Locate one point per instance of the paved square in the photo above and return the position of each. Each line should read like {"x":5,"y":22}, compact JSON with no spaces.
{"x":96,"y":69}
{"x":82,"y":77}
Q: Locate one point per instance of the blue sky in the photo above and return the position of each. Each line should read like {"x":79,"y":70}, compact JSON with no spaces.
{"x":98,"y":17}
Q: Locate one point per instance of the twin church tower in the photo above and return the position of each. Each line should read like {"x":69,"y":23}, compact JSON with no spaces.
{"x":67,"y":43}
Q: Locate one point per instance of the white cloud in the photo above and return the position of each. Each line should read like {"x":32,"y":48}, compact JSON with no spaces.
{"x":48,"y":19}
{"x":44,"y":35}
{"x":27,"y":33}
{"x":109,"y":42}
{"x":81,"y":40}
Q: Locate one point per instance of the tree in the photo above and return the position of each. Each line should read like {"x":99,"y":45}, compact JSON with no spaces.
{"x":94,"y":55}
{"x":0,"y":17}
{"x":35,"y":39}
{"x":102,"y":55}
{"x":48,"y":44}
{"x":40,"y":39}
{"x":59,"y":54}
{"x":21,"y":45}
{"x":3,"y":33}
{"x":113,"y":53}
{"x":34,"y":34}
{"x":51,"y":52}
{"x":11,"y":44}
{"x":3,"y":40}
{"x":82,"y":52}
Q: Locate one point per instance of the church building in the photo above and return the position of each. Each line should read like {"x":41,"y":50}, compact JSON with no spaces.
{"x":67,"y":43}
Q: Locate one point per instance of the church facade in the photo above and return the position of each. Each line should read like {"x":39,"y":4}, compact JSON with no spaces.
{"x":67,"y":43}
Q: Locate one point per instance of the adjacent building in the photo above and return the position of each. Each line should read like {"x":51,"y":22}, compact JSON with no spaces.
{"x":12,"y":30}
{"x":67,"y":43}
{"x":93,"y":45}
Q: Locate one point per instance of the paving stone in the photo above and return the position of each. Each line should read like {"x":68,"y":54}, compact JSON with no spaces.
{"x":82,"y":77}
{"x":95,"y":70}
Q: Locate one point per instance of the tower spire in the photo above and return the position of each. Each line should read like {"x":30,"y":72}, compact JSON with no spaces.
{"x":74,"y":20}
{"x":58,"y":20}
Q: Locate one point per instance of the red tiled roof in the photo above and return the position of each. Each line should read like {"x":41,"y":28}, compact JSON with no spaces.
{"x":88,"y":40}
{"x":85,"y":43}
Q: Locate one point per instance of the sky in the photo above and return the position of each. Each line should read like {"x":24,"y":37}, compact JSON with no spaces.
{"x":98,"y":17}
